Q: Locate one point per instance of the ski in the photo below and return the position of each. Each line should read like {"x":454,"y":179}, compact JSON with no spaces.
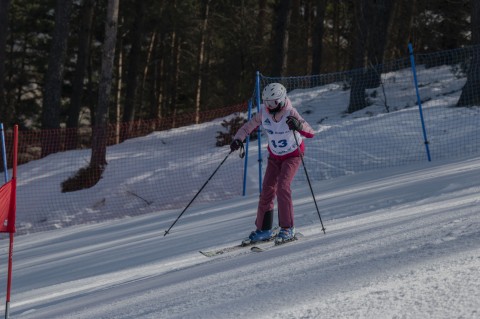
{"x":260,"y":246}
{"x":229,"y":249}
{"x":245,"y":243}
{"x":259,"y":249}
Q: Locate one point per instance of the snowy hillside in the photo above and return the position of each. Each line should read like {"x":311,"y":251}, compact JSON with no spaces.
{"x":164,"y":170}
{"x":401,"y":241}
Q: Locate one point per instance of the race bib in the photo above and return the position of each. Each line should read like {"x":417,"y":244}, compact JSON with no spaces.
{"x":280,"y":137}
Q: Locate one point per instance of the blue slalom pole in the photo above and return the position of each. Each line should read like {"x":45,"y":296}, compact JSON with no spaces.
{"x":245,"y":168}
{"x":412,"y":61}
{"x":259,"y":131}
{"x":4,"y":154}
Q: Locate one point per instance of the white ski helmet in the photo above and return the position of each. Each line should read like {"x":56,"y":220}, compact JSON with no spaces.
{"x":274,"y":97}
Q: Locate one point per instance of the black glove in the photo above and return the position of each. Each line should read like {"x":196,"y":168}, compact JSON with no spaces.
{"x":236,"y":144}
{"x":294,"y":124}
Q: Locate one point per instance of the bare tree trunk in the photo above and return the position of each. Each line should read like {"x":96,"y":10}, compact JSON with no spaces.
{"x":399,"y":30}
{"x":146,"y":71}
{"x":377,"y":40}
{"x":260,"y":32}
{"x":54,"y":78}
{"x":158,"y":87}
{"x":368,"y":48}
{"x":280,"y":44}
{"x":4,"y":7}
{"x":99,"y":140}
{"x":357,"y":90}
{"x":133,"y":66}
{"x":318,"y":37}
{"x":79,"y":76}
{"x":175,"y":74}
{"x":200,"y":60}
{"x":118,"y":96}
{"x":471,"y":90}
{"x":336,"y":34}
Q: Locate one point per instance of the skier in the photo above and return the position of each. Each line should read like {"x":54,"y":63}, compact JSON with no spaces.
{"x":278,"y":118}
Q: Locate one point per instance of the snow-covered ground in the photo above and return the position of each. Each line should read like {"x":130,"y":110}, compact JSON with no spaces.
{"x":400,"y":242}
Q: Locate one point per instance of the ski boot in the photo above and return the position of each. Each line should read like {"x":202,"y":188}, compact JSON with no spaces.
{"x":259,"y":236}
{"x":285,"y":235}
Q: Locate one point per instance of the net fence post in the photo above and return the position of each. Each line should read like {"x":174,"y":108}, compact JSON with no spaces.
{"x":412,"y":61}
{"x":245,"y":167}
{"x":4,"y":153}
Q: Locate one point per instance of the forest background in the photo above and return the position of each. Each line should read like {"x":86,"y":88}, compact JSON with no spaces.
{"x":87,"y":63}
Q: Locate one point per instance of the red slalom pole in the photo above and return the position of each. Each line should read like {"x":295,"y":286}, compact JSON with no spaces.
{"x":11,"y":220}
{"x":9,"y":280}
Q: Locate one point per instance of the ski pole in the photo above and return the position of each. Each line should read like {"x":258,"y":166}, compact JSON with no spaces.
{"x":168,"y":230}
{"x":309,"y":184}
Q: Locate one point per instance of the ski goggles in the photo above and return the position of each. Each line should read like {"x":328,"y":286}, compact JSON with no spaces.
{"x":272,"y":104}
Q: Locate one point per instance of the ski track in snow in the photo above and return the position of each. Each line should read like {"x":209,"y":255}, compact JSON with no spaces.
{"x":387,"y":264}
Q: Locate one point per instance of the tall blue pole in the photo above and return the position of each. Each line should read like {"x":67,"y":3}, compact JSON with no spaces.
{"x":245,"y":167}
{"x":414,"y":71}
{"x":259,"y":131}
{"x":4,"y":154}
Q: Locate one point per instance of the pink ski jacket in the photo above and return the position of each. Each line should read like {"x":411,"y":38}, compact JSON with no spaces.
{"x":281,"y":143}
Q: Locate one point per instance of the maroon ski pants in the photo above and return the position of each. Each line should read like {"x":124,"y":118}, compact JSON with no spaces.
{"x":276,"y":183}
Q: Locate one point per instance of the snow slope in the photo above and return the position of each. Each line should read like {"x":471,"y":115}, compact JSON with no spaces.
{"x":400,"y":242}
